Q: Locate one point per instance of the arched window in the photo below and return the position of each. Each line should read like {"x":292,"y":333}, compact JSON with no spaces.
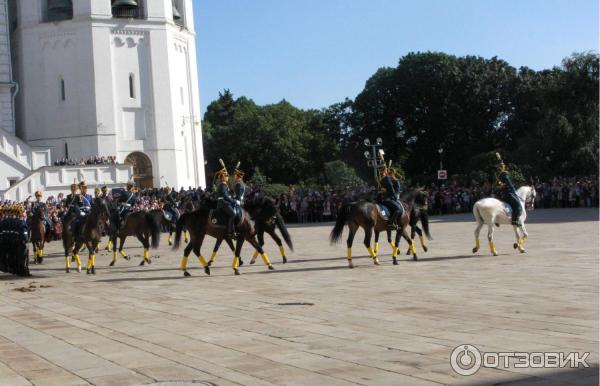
{"x":63,"y":94}
{"x":131,"y":86}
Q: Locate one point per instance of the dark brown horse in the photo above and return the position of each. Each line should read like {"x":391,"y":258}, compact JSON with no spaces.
{"x":367,"y":215}
{"x":267,"y":219}
{"x":37,"y":230}
{"x":418,"y":214}
{"x":199,"y":224}
{"x":88,"y":232}
{"x":145,"y":225}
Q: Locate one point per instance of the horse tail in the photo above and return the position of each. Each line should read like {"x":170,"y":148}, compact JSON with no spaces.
{"x":342,"y":219}
{"x":424,"y":216}
{"x":154,"y":225}
{"x":284,"y":232}
{"x":179,"y":229}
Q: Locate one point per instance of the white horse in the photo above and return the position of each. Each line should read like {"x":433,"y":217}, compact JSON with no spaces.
{"x":492,"y":212}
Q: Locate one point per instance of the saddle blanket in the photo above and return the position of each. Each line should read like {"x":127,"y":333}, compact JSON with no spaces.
{"x":507,"y":209}
{"x":219,"y":217}
{"x":385,"y":212}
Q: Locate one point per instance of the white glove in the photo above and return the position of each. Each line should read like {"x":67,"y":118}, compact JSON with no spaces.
{"x":238,"y":202}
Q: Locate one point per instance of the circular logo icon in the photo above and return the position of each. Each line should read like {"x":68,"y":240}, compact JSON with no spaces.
{"x":465,"y":359}
{"x":214,"y":220}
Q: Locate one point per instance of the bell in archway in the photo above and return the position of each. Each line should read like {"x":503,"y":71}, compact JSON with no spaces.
{"x":128,"y":4}
{"x":59,"y":6}
{"x":176,"y":14}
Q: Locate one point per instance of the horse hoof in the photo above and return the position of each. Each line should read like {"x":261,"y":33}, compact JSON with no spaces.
{"x":495,"y":253}
{"x":207,"y":270}
{"x":375,"y":261}
{"x":87,"y":271}
{"x":111,"y":263}
{"x":149,"y":261}
{"x":67,"y":270}
{"x":515,"y":245}
{"x":271,"y":268}
{"x":408,"y":252}
{"x":424,"y":248}
{"x":475,"y":250}
{"x":395,"y":261}
{"x":236,"y":272}
{"x":252,"y":261}
{"x":284,"y":260}
{"x":415,"y":258}
{"x":126,"y":257}
{"x":209,"y":263}
{"x":93,"y":270}
{"x":241,"y":262}
{"x":79,"y":269}
{"x":142,"y":262}
{"x":521,"y":250}
{"x":186,"y":273}
{"x":350,"y":265}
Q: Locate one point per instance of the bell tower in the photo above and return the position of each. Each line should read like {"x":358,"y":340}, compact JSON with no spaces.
{"x":111,"y":77}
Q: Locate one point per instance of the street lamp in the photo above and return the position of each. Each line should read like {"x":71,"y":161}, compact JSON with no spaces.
{"x":375,"y":156}
{"x":441,"y":153}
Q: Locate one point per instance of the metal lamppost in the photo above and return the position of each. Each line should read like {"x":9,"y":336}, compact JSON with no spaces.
{"x":441,"y":153}
{"x":375,"y":156}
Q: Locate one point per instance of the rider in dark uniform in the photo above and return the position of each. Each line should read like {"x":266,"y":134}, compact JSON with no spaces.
{"x":170,"y":205}
{"x":225,"y":202}
{"x":42,"y":205}
{"x":509,"y":194}
{"x":239,"y":187}
{"x":125,"y":202}
{"x":73,"y":201}
{"x":394,"y":175}
{"x":390,"y":197}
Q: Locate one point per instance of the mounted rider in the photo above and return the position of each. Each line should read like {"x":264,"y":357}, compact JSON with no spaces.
{"x":125,"y":202}
{"x":225,"y":202}
{"x":239,"y":187}
{"x":73,"y":201}
{"x":170,"y":204}
{"x":390,"y":195}
{"x":86,"y":198}
{"x":38,"y":203}
{"x":508,"y":193}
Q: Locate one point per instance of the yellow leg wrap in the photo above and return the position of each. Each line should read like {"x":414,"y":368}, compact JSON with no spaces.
{"x":372,"y":252}
{"x":393,"y":244}
{"x":266,"y":259}
{"x":412,"y":248}
{"x":349,"y":253}
{"x":422,"y":240}
{"x":93,"y":259}
{"x":492,"y":248}
{"x":42,"y":253}
{"x":78,"y":260}
{"x":89,"y":263}
{"x":109,"y":245}
{"x":123,"y":253}
{"x":202,"y":261}
{"x":170,"y":239}
{"x":114,"y":256}
{"x":376,"y":249}
{"x":213,"y":256}
{"x":235,"y":263}
{"x":146,"y":254}
{"x":184,"y":262}
{"x":186,"y":236}
{"x":68,"y":260}
{"x":477,"y":245}
{"x":282,"y":250}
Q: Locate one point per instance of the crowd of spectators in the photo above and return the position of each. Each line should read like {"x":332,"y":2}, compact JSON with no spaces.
{"x":306,"y":206}
{"x":95,"y":160}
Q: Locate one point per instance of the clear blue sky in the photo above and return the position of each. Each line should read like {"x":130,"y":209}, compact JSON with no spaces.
{"x":315,"y":53}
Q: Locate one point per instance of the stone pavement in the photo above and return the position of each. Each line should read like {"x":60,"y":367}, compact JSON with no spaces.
{"x":312,"y":321}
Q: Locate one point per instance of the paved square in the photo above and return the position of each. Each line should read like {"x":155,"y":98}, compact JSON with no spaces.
{"x":312,"y":321}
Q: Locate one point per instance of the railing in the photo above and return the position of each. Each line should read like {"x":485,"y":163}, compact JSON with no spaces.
{"x":57,"y":179}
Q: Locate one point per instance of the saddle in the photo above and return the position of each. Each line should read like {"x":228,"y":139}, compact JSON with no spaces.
{"x":507,"y":209}
{"x":219,"y":218}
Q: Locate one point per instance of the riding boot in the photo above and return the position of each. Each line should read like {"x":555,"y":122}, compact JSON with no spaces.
{"x":230,"y":230}
{"x":393,"y":218}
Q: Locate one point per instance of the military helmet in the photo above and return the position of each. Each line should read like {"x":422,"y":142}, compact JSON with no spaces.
{"x":104,"y":188}
{"x":222,"y":171}
{"x":82,"y":184}
{"x":38,"y":194}
{"x":238,"y":172}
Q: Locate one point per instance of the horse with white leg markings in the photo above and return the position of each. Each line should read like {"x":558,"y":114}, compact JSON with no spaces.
{"x":492,"y":211}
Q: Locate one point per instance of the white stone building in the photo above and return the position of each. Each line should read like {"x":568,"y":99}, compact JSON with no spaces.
{"x":102,"y":77}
